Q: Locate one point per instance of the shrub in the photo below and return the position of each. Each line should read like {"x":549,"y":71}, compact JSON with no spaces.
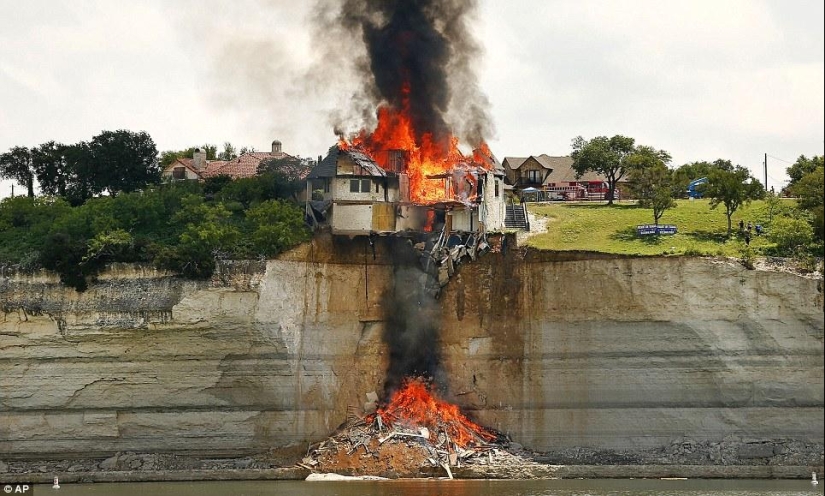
{"x":276,"y":226}
{"x":789,"y":234}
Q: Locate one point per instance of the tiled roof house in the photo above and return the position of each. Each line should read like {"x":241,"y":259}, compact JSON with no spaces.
{"x":245,"y":165}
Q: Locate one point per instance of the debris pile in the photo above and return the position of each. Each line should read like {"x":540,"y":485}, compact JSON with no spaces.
{"x":441,"y":255}
{"x":415,"y":434}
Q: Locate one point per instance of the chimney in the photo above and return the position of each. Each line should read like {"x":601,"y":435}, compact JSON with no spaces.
{"x":199,"y":158}
{"x":276,"y":147}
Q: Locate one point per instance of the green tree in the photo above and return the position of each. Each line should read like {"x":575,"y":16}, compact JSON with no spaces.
{"x":651,"y":181}
{"x":686,"y":173}
{"x":207,"y":233}
{"x":124,"y":161}
{"x":802,"y":166}
{"x":732,"y":187}
{"x":229,"y":152}
{"x":773,"y":202}
{"x":169,"y":156}
{"x":80,"y":173}
{"x":50,"y":168}
{"x":16,"y":164}
{"x":24,"y":225}
{"x":790,"y":235}
{"x":605,"y":156}
{"x":276,"y":226}
{"x":810,"y":189}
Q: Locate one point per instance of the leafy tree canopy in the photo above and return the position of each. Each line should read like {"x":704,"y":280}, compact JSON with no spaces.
{"x":802,"y":166}
{"x":16,"y":164}
{"x":651,"y":181}
{"x":123,"y":161}
{"x":686,"y":173}
{"x":603,"y":155}
{"x":731,"y":186}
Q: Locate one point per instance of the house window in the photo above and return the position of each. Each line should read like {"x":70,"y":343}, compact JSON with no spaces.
{"x":359,"y":185}
{"x":179,"y":173}
{"x":534,"y":176}
{"x":326,"y":185}
{"x":496,"y":189}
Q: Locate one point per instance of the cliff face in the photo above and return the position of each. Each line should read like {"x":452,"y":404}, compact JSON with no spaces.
{"x":626,"y":355}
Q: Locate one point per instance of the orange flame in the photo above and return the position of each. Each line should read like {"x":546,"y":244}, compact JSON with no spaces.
{"x":424,"y":157}
{"x":415,"y":406}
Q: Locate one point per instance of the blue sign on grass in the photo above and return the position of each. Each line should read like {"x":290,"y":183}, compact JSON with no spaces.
{"x":648,"y":229}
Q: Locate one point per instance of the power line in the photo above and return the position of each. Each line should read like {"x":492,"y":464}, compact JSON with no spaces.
{"x":781,"y":160}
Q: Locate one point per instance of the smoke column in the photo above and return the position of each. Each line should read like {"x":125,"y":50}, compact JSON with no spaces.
{"x":413,"y":323}
{"x":417,"y":55}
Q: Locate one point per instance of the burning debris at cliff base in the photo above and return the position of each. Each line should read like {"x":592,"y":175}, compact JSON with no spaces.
{"x":415,"y":434}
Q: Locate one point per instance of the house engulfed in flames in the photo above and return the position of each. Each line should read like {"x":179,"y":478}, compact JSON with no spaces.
{"x":385,"y":192}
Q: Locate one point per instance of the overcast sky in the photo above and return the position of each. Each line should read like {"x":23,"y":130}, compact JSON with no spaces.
{"x":730,"y":79}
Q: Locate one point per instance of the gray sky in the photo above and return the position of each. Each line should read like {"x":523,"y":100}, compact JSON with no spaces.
{"x":731,"y":79}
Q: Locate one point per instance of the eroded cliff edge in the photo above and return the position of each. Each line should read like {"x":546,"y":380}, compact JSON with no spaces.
{"x":587,"y":358}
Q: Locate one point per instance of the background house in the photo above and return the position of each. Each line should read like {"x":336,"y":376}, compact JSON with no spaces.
{"x":554,"y":178}
{"x":199,"y":168}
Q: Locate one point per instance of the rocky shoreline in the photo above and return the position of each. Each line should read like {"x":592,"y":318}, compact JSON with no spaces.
{"x":766,"y":461}
{"x":539,"y":472}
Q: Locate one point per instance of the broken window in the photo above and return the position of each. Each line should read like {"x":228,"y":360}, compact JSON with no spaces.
{"x":360,"y":185}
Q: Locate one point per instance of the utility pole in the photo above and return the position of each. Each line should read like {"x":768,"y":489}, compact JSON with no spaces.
{"x":766,"y":172}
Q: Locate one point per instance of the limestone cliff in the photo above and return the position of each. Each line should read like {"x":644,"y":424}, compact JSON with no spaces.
{"x":567,"y":353}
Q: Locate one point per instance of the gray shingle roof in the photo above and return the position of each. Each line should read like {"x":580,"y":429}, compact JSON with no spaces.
{"x":326,"y":167}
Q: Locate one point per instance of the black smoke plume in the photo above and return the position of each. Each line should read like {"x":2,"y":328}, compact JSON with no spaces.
{"x":412,"y":329}
{"x":418,"y":55}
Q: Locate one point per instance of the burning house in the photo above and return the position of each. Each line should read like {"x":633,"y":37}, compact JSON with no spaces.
{"x":361,"y":193}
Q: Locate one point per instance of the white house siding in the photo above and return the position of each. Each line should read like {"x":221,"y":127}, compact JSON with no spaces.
{"x":493,"y":208}
{"x":341,"y":190}
{"x":462,"y":220}
{"x":351,"y":219}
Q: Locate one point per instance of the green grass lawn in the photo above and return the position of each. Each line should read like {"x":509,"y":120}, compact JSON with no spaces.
{"x":612,"y":229}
